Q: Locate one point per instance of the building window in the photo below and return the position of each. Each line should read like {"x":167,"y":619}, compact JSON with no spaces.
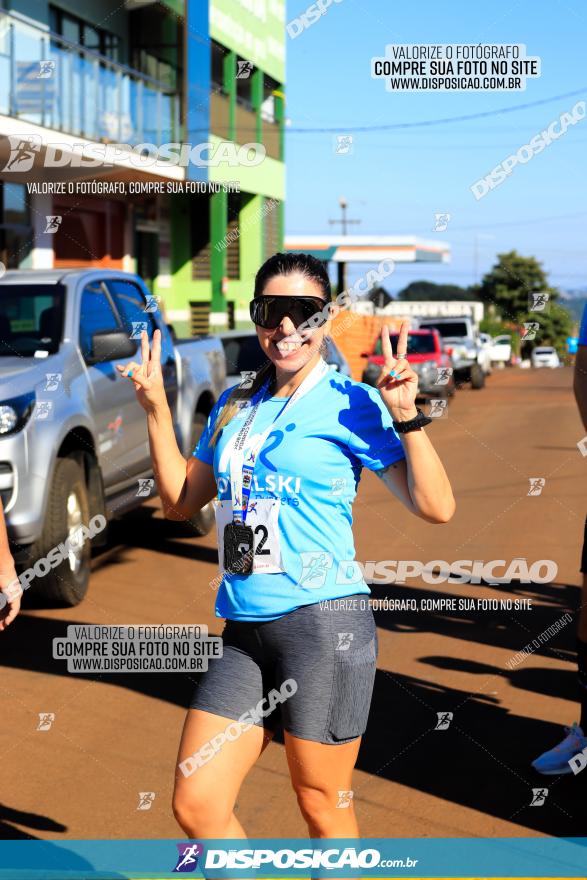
{"x":217,"y":53}
{"x":268,"y":106}
{"x":75,"y":30}
{"x":200,"y":237}
{"x":16,"y":234}
{"x":244,"y":95}
{"x":271,"y":225}
{"x":156,"y":43}
{"x":233,"y":236}
{"x":15,"y":204}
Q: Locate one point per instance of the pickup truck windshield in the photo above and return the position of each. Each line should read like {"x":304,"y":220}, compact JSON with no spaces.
{"x":242,"y":353}
{"x":450,"y":328}
{"x":417,"y":344}
{"x":31,"y":319}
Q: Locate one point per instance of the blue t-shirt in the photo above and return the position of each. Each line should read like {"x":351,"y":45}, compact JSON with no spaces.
{"x":583,"y":330}
{"x":312,"y":461}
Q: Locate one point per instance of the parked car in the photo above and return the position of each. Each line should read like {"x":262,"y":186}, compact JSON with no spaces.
{"x":73,"y":439}
{"x":545,"y":356}
{"x":243,"y":352}
{"x":426,"y":356}
{"x":471,"y":359}
{"x":501,"y":350}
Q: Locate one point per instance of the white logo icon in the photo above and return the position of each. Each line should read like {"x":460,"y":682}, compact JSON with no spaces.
{"x":52,"y":381}
{"x":537,"y":484}
{"x":46,"y":69}
{"x":444,"y":719}
{"x":23,"y":149}
{"x":530,"y":330}
{"x":441,"y":222}
{"x":247,"y":379}
{"x":137,"y":328}
{"x":337,"y":485}
{"x":344,"y":641}
{"x":344,"y":144}
{"x":44,"y":409}
{"x":146,"y":799}
{"x":438,"y":407}
{"x":538,"y":301}
{"x":344,"y":799}
{"x":443,"y":375}
{"x":145,"y":487}
{"x":244,"y":69}
{"x":46,"y":719}
{"x":53,"y":222}
{"x":315,"y":567}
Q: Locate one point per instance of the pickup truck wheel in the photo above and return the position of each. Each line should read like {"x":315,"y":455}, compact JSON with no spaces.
{"x":203,"y":521}
{"x":67,"y":510}
{"x":477,"y":377}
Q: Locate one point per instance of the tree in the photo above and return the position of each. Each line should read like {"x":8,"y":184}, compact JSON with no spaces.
{"x":509,"y":290}
{"x":428,"y":290}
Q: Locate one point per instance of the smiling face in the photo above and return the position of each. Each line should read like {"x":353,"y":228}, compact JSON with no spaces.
{"x":284,"y":345}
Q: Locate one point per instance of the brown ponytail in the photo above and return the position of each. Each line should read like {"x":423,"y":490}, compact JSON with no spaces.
{"x":239,"y":394}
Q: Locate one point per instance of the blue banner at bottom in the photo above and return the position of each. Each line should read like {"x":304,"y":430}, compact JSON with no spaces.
{"x":538,"y":857}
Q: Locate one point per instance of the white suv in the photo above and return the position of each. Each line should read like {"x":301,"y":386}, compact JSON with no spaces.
{"x":545,"y":356}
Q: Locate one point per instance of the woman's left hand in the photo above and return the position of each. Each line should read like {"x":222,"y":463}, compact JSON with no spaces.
{"x":398,"y":383}
{"x":10,"y":593}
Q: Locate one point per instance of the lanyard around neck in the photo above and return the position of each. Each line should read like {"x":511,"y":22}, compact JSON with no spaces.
{"x":241,"y":470}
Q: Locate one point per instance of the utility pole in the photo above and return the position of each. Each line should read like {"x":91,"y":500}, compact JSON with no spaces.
{"x":344,"y":222}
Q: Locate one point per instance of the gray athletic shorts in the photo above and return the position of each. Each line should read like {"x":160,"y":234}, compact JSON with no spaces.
{"x":330,"y":653}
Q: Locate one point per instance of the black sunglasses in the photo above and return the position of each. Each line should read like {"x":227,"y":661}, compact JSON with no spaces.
{"x":269,"y":311}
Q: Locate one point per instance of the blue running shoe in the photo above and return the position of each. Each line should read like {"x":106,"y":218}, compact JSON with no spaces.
{"x":556,"y":761}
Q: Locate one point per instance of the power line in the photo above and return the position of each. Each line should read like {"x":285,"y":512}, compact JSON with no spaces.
{"x":464,"y":118}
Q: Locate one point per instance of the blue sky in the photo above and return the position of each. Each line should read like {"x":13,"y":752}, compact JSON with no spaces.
{"x":395,"y":181}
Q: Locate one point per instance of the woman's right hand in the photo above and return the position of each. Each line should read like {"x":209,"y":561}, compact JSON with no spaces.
{"x":147,"y":376}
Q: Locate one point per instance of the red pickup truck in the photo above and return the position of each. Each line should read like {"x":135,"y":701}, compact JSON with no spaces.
{"x":426,"y":356}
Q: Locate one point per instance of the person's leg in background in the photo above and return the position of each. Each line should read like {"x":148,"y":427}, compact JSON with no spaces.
{"x":582,"y":640}
{"x":555,"y":762}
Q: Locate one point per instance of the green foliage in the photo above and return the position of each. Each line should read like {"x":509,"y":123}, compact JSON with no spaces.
{"x":493,"y":326}
{"x":507,"y":291}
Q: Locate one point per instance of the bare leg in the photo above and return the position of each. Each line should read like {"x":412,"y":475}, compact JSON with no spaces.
{"x":318,"y":772}
{"x":203,"y":801}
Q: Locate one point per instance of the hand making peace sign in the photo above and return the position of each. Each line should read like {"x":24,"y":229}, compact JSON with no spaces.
{"x":147,"y":375}
{"x":398,"y":383}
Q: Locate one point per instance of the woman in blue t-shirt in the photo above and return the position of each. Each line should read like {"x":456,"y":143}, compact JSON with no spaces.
{"x":283,"y":453}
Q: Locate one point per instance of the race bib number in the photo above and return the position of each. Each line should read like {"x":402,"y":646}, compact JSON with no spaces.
{"x":262,"y":518}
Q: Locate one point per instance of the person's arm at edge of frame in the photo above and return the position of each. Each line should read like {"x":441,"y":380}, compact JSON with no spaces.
{"x":580,"y":382}
{"x":10,"y":607}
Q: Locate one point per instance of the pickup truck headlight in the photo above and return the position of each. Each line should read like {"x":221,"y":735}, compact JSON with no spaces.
{"x":15,"y":413}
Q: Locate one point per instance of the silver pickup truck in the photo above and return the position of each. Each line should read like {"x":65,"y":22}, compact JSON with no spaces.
{"x":73,"y":439}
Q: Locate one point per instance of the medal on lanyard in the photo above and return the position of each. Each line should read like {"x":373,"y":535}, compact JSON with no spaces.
{"x":238,"y":537}
{"x":239,"y":547}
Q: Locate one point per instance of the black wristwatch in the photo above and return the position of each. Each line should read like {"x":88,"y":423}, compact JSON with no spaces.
{"x":419,"y":421}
